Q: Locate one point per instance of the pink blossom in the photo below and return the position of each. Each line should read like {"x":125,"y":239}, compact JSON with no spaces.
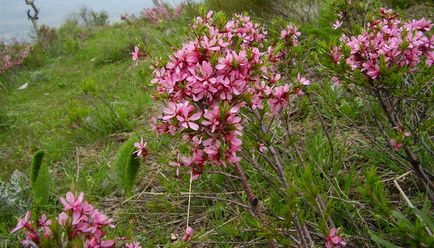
{"x":395,"y":144}
{"x":72,"y":202}
{"x":45,"y":223}
{"x":262,"y":148}
{"x":133,"y":245}
{"x":23,"y":223}
{"x":302,"y":80}
{"x":142,"y":150}
{"x":336,"y":54}
{"x":135,"y":54}
{"x":290,"y":33}
{"x":62,"y":218}
{"x":333,"y":240}
{"x":186,"y":119}
{"x":337,"y":24}
{"x":336,"y":81}
{"x":188,"y":234}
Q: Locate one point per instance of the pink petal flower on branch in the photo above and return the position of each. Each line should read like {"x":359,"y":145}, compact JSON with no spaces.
{"x":395,"y":144}
{"x":302,"y":80}
{"x":333,"y":240}
{"x":133,"y":245}
{"x":71,"y":202}
{"x":62,"y":219}
{"x":45,"y":224}
{"x":142,"y":150}
{"x":23,"y":223}
{"x":337,"y":24}
{"x":135,"y":54}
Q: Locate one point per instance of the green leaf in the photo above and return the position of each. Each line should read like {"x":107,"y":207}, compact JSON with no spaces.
{"x":381,"y":242}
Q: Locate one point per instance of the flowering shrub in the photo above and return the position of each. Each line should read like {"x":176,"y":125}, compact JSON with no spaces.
{"x":160,"y":12}
{"x":79,"y":224}
{"x":225,"y":68}
{"x":389,"y":43}
{"x":12,"y":55}
{"x":385,"y":61}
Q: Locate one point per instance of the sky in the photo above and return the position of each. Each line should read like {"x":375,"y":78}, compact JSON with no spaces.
{"x":14,"y":22}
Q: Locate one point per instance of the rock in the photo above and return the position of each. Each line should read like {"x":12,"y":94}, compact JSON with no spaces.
{"x":24,"y":86}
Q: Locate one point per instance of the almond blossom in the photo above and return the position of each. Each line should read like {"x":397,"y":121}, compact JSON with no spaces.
{"x":391,"y":42}
{"x":79,"y":220}
{"x":210,"y":79}
{"x":333,"y":240}
{"x":135,"y":55}
{"x":337,"y":24}
{"x":142,"y":150}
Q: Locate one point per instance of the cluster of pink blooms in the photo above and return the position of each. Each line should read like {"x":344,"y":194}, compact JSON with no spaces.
{"x":160,"y":12}
{"x":333,"y":240}
{"x":12,"y":56}
{"x":390,"y":41}
{"x":291,"y":34}
{"x":210,"y":79}
{"x":80,"y":221}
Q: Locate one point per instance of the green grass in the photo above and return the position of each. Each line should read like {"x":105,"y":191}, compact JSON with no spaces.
{"x":78,"y":98}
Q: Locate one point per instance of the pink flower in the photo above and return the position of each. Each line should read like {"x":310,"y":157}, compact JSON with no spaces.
{"x":290,"y":33}
{"x":395,"y":144}
{"x":23,"y":223}
{"x":188,"y":234}
{"x":135,"y":54}
{"x":186,"y":120}
{"x":45,"y":223}
{"x":337,"y":24}
{"x":336,"y":81}
{"x":212,"y":118}
{"x":333,"y":240}
{"x":262,"y":148}
{"x":302,"y":80}
{"x":72,"y":202}
{"x":133,"y":245}
{"x":142,"y":150}
{"x":336,"y":54}
{"x":62,"y":218}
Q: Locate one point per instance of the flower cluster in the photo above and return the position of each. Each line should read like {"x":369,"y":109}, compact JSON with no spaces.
{"x":160,"y":12}
{"x":389,"y":42}
{"x":80,"y":221}
{"x":12,"y":55}
{"x":226,"y":67}
{"x":290,"y":33}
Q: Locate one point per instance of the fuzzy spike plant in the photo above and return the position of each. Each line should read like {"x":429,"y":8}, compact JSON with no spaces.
{"x":127,"y":164}
{"x":40,"y":180}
